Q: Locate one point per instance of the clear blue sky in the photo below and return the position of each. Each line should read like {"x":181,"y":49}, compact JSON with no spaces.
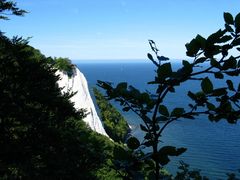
{"x":116,"y":29}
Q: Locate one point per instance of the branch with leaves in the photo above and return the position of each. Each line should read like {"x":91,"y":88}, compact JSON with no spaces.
{"x":210,"y":56}
{"x":9,"y":8}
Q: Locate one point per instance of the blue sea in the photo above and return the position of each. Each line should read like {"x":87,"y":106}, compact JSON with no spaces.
{"x":214,"y":148}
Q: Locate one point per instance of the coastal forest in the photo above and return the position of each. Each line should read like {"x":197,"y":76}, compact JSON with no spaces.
{"x":42,"y":135}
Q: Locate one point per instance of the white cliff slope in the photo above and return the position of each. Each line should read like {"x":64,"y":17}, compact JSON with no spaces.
{"x":82,"y":99}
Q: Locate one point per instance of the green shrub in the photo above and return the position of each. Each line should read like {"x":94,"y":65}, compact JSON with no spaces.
{"x":65,"y":65}
{"x":114,"y":123}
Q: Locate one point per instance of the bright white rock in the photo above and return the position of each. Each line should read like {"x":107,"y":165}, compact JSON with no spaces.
{"x":82,"y":99}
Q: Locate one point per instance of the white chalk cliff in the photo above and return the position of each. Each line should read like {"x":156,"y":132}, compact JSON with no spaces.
{"x":82,"y":99}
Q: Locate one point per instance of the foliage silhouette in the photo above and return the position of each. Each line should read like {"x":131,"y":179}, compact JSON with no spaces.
{"x":211,"y":56}
{"x":8,"y":8}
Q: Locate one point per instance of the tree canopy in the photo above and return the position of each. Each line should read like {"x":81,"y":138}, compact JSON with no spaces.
{"x":42,"y":135}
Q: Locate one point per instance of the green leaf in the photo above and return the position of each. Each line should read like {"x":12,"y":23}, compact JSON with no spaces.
{"x":213,"y":38}
{"x":233,"y":73}
{"x":150,"y":56}
{"x":224,"y":39}
{"x":122,"y":86}
{"x":133,"y":143}
{"x":218,"y":75}
{"x":207,"y":86}
{"x":219,"y":92}
{"x":192,"y":48}
{"x":166,"y":151}
{"x":161,"y":119}
{"x":143,"y":128}
{"x":192,"y":95}
{"x":163,"y":159}
{"x":187,"y":67}
{"x":228,"y":18}
{"x":172,"y":151}
{"x":148,"y":136}
{"x":177,"y":112}
{"x":214,"y":62}
{"x":236,"y":42}
{"x":162,"y":58}
{"x":163,"y":110}
{"x":229,"y":28}
{"x":201,"y":40}
{"x":230,"y":85}
{"x":164,"y":71}
{"x":231,"y":63}
{"x":200,"y":60}
{"x":148,"y":143}
{"x":186,"y":63}
{"x":144,"y":98}
{"x":237,"y":23}
{"x":211,"y":106}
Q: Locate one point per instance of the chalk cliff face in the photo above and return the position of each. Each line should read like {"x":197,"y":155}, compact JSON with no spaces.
{"x":82,"y":99}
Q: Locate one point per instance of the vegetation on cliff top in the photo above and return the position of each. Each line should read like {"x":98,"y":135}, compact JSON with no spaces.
{"x":64,"y":64}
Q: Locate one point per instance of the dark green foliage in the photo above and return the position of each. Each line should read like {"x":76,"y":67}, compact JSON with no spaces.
{"x":133,"y":143}
{"x":185,"y":174}
{"x":114,"y":123}
{"x":42,"y":135}
{"x":207,"y":86}
{"x":217,"y":104}
{"x":64,"y":64}
{"x":9,"y":8}
{"x":166,"y":151}
{"x":228,"y":18}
